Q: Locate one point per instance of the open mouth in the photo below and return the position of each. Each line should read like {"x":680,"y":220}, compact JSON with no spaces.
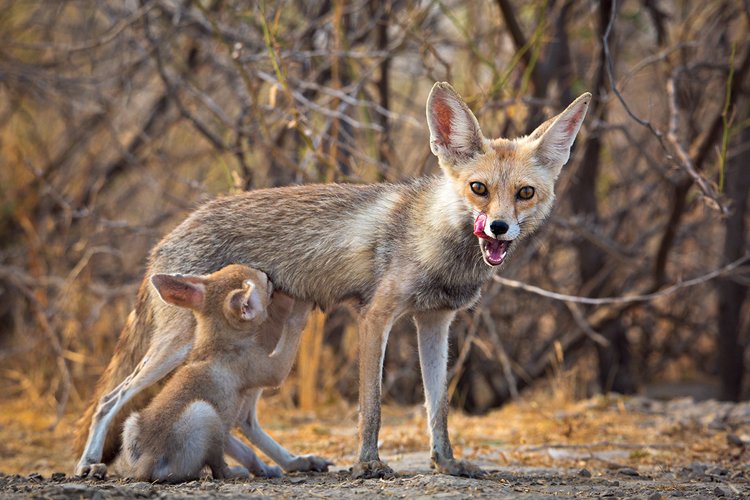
{"x":493,"y":250}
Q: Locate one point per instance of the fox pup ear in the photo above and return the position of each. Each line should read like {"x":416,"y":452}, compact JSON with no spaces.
{"x":555,"y":137}
{"x":179,"y":290}
{"x":454,"y":130}
{"x":245,"y":303}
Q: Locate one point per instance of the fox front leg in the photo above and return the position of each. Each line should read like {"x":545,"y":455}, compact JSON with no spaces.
{"x":374,"y":326}
{"x":432,"y":337}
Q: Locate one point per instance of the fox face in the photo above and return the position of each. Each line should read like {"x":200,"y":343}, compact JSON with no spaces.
{"x":506,"y":185}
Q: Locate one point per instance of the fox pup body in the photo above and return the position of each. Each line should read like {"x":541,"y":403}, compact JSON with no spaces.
{"x":186,"y":426}
{"x":423,"y":247}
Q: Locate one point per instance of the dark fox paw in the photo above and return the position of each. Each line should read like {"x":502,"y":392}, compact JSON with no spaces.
{"x":461,"y":468}
{"x":372,"y":470}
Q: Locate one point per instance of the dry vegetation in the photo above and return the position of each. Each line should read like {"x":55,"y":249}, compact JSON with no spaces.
{"x":546,"y":445}
{"x":119,"y":117}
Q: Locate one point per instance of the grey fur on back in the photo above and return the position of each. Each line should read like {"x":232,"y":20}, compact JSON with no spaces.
{"x":330,"y":243}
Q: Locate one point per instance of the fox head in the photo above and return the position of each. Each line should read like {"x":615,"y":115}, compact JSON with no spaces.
{"x":507,"y":185}
{"x":236,"y":296}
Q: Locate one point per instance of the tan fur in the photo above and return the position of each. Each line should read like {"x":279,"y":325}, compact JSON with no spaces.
{"x":389,"y":249}
{"x":187,"y":424}
{"x":132,"y":344}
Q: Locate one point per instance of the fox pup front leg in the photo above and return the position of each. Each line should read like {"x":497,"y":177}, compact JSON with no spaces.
{"x":432,"y":337}
{"x":255,"y":433}
{"x":249,"y":460}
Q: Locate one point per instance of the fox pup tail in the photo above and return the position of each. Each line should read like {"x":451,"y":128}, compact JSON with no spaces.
{"x":131,"y":347}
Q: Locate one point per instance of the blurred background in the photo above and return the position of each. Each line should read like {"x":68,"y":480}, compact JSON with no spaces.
{"x":117,"y":118}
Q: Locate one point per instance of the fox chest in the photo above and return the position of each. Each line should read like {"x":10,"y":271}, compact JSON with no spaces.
{"x":438,"y":292}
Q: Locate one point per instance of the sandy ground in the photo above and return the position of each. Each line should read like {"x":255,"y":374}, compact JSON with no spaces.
{"x":539,"y":447}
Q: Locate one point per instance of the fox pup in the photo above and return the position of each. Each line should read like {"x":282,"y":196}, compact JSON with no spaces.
{"x":422,"y":248}
{"x":186,"y":426}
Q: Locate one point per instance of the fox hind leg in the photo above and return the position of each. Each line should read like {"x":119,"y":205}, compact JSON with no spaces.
{"x":160,"y":359}
{"x":197,"y":440}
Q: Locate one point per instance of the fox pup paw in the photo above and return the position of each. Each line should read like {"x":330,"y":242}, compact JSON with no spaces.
{"x":372,"y":470}
{"x":308,"y":463}
{"x":238,"y":472}
{"x":94,"y":471}
{"x":454,"y":467}
{"x":268,"y":471}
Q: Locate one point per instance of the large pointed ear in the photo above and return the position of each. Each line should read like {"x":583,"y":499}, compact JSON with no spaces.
{"x":454,"y":130}
{"x":556,"y":136}
{"x":181,"y":291}
{"x":246,"y":303}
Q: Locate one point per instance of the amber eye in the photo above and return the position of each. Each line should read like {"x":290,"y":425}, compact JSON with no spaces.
{"x":478,"y":188}
{"x":525,"y":193}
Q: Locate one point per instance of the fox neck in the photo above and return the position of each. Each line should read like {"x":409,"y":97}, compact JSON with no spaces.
{"x":448,"y":208}
{"x":449,"y":217}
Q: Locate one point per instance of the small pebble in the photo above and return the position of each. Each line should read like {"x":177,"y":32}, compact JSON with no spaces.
{"x":628,"y":471}
{"x":58,"y":476}
{"x":75,"y":488}
{"x":655,"y":496}
{"x":717,"y":471}
{"x":584,"y":473}
{"x":735,"y":440}
{"x":719,"y":492}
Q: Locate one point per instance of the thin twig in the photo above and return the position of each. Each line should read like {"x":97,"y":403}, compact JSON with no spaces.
{"x":501,"y":354}
{"x":624,"y":299}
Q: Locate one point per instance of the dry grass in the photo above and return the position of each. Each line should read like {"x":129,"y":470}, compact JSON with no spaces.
{"x":542,"y":429}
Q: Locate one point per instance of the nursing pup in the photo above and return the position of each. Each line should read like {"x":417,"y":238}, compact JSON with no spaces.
{"x":423,"y":248}
{"x":186,"y":426}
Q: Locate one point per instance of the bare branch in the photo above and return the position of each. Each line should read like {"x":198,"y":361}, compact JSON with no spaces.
{"x":625,"y":299}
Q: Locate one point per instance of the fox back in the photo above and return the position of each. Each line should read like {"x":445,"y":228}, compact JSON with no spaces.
{"x":438,"y":237}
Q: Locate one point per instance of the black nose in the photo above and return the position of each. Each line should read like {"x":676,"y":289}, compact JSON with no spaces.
{"x":499,"y":227}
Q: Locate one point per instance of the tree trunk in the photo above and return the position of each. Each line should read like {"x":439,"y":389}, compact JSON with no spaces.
{"x":731,"y":293}
{"x":615,"y":360}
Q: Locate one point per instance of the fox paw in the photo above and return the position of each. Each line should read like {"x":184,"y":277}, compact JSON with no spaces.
{"x":268,"y":471}
{"x":454,"y":467}
{"x":94,"y":471}
{"x":308,"y":463}
{"x":372,"y":470}
{"x":238,"y":472}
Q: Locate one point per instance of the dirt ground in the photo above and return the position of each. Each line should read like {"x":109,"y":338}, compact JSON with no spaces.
{"x":536,"y":448}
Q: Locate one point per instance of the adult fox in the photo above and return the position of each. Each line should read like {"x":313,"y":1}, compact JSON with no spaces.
{"x":422,"y":247}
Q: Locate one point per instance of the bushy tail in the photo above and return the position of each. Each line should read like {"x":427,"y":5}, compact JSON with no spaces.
{"x":131,"y":347}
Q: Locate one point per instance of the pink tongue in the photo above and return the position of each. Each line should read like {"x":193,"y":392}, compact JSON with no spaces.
{"x":496,"y":249}
{"x":479,"y":224}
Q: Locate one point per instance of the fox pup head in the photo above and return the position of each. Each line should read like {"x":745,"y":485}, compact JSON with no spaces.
{"x":508,"y":185}
{"x":235,"y":296}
